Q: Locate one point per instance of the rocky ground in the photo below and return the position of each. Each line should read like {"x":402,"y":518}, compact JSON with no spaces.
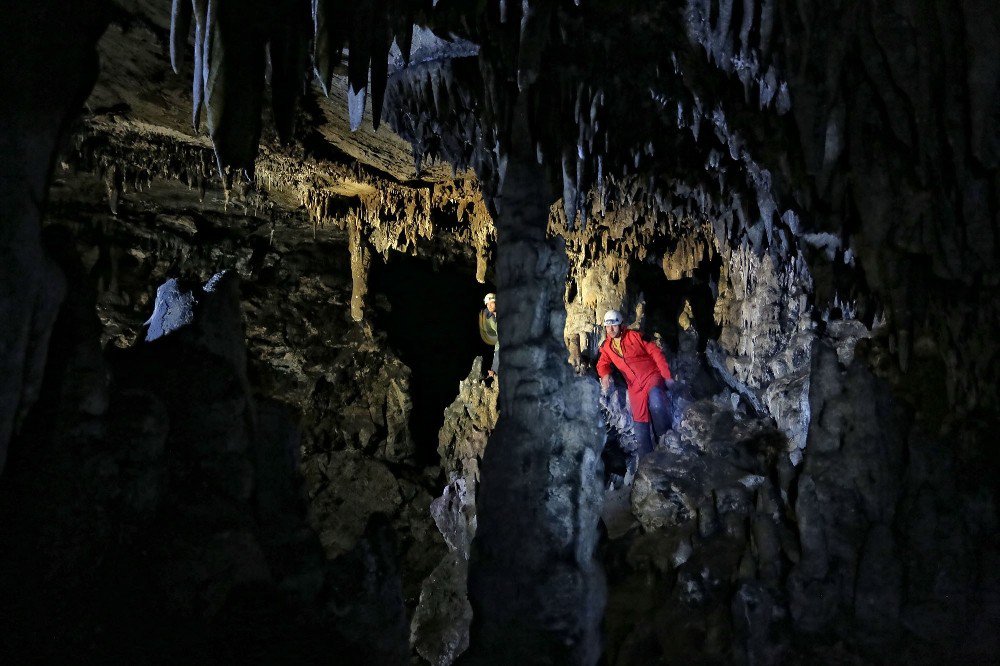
{"x":731,"y":542}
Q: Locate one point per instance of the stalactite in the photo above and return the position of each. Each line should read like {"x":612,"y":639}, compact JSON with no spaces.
{"x":360,"y":264}
{"x":126,"y":156}
{"x":231,"y":40}
{"x":180,"y":26}
{"x":289,"y":56}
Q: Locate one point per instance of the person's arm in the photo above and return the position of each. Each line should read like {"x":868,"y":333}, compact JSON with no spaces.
{"x":603,"y":364}
{"x":604,"y":369}
{"x":661,"y":361}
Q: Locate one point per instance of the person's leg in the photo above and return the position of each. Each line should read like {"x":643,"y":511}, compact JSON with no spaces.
{"x":659,"y":412}
{"x":643,"y":436}
{"x":496,"y":359}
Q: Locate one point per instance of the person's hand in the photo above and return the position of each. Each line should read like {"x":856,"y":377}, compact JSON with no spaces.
{"x":606,"y":383}
{"x":490,"y":373}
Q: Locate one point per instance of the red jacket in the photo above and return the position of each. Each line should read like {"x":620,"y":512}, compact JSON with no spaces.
{"x":643,"y":366}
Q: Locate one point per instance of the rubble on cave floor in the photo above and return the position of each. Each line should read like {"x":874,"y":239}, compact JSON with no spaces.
{"x":718,"y":453}
{"x":705,"y":511}
{"x":697,"y":505}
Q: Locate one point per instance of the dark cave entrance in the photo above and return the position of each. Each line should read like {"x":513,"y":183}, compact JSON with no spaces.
{"x":429,"y":313}
{"x":665,"y":299}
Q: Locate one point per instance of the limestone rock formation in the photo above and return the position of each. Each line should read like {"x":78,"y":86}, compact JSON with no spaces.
{"x":753,"y":551}
{"x":797,"y":200}
{"x":440,"y":628}
{"x":170,"y":472}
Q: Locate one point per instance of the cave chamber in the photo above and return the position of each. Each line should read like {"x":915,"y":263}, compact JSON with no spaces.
{"x":244,"y":413}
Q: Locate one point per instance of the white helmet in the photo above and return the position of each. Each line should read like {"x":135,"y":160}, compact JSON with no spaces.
{"x":489,"y":297}
{"x":612,"y":318}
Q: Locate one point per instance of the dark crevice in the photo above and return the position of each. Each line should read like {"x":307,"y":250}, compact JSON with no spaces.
{"x":430,"y":316}
{"x":664,"y":300}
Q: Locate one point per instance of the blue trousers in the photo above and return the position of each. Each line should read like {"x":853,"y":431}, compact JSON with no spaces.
{"x":659,"y":413}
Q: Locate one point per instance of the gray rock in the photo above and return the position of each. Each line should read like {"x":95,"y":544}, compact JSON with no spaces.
{"x":439,"y":631}
{"x":173,"y":310}
{"x":347,"y":489}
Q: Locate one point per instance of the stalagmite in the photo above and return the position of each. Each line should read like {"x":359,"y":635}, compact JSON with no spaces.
{"x":541,"y":600}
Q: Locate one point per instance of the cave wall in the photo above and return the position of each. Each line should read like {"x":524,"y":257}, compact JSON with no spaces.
{"x":322,"y":409}
{"x":51,"y":91}
{"x":328,"y":396}
{"x":172,"y":519}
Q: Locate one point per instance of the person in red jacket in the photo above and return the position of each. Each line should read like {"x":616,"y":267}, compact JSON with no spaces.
{"x":646,"y":374}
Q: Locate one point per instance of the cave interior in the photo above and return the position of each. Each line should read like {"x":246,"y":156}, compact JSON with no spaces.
{"x":245,"y":407}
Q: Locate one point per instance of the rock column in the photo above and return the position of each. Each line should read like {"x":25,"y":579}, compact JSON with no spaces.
{"x":536,"y":591}
{"x":50,"y":67}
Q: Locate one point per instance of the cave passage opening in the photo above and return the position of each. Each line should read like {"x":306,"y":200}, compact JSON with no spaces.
{"x":664,"y":300}
{"x":429,"y":313}
{"x":663,"y":304}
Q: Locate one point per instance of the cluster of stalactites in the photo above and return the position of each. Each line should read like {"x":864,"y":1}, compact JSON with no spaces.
{"x":737,"y":38}
{"x":458,"y":107}
{"x":128,"y":159}
{"x":575,"y":147}
{"x":236,"y":45}
{"x":395,"y":218}
{"x":569,"y":116}
{"x":434,"y":104}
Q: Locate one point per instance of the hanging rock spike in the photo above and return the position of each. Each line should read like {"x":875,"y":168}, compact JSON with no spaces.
{"x":180,"y":27}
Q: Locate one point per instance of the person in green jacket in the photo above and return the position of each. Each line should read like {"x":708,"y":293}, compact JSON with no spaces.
{"x":488,"y":330}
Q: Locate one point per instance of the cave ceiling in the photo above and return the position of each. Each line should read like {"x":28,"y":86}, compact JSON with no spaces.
{"x":139,"y":118}
{"x":741,"y":131}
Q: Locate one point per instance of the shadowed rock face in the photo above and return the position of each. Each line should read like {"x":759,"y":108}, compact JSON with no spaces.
{"x":799,"y":200}
{"x":759,"y":559}
{"x":172,"y":518}
{"x":440,"y":628}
